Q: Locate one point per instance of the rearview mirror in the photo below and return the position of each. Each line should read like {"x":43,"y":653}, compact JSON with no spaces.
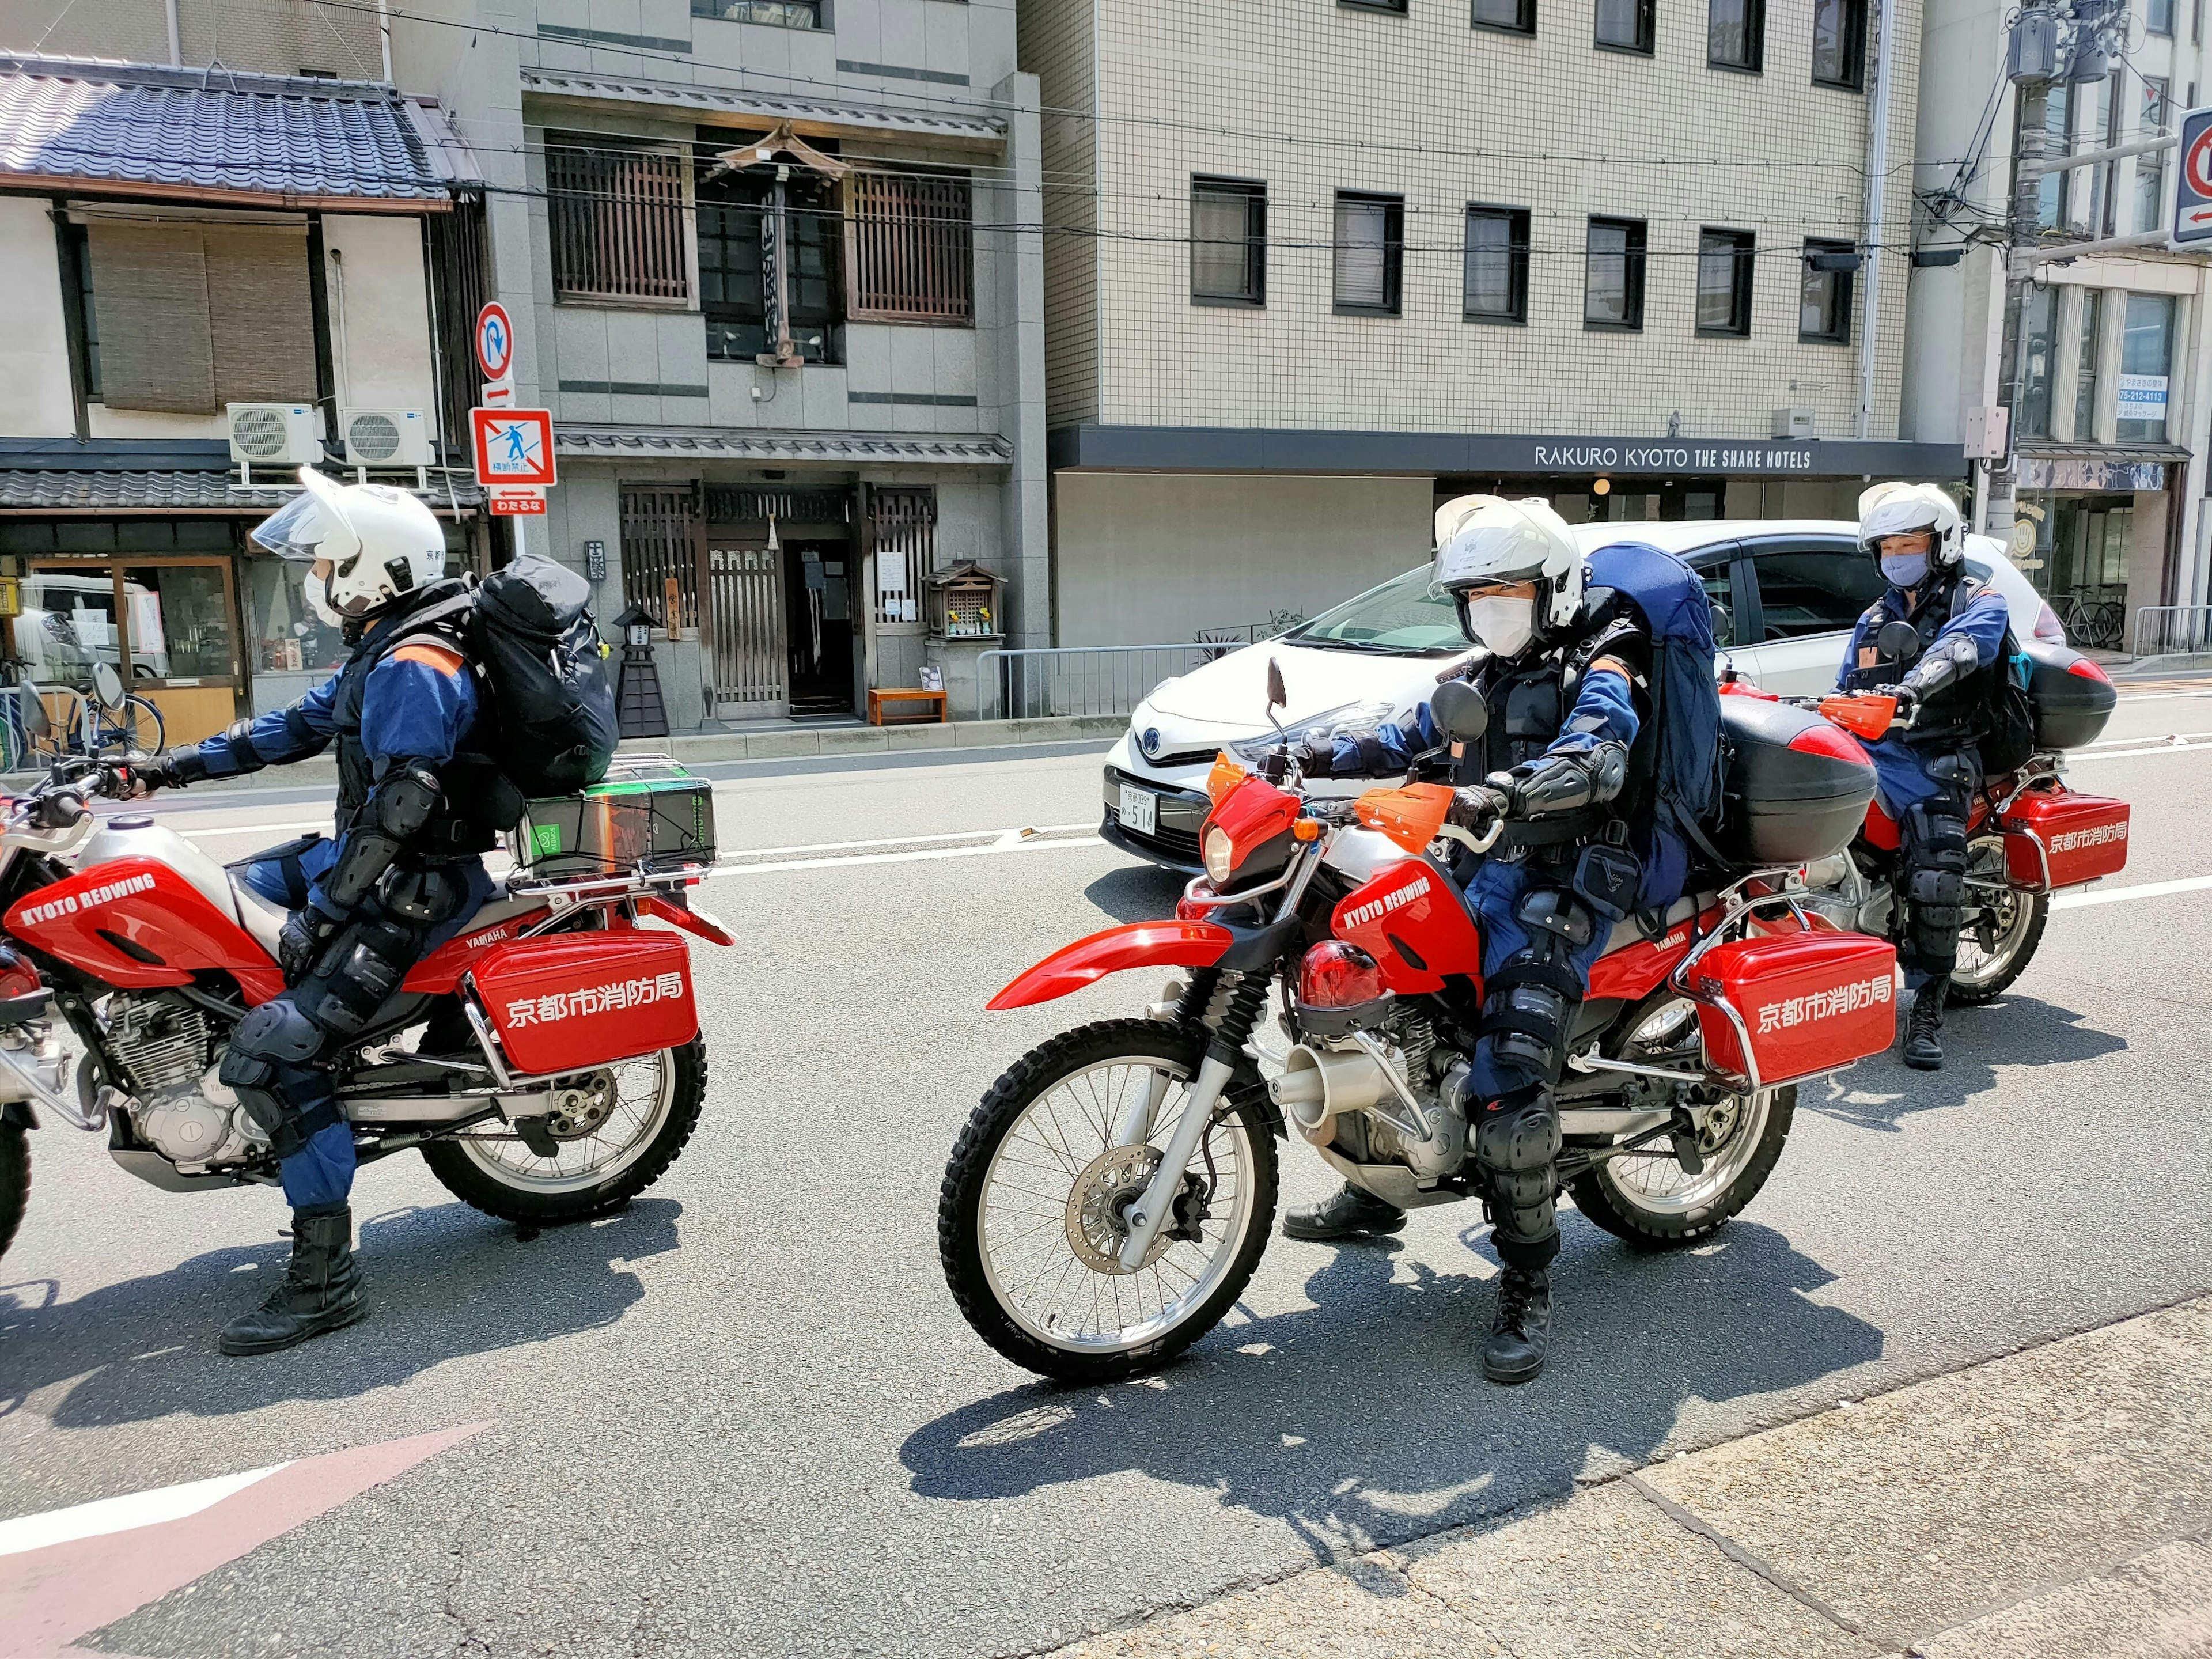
{"x":107,"y":686}
{"x":1723,"y":626}
{"x":33,"y":710}
{"x":1898,"y":641}
{"x":1278,"y":695}
{"x":1459,"y":712}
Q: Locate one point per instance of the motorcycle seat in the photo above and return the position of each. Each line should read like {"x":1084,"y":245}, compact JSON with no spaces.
{"x":1627,"y":932}
{"x":264,"y":918}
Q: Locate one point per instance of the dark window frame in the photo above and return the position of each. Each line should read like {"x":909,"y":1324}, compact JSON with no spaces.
{"x":1516,"y":247}
{"x":1853,"y":42}
{"x":1647,"y":33}
{"x":1633,"y":258}
{"x":1524,"y":23}
{"x":909,"y":242}
{"x":1755,"y":39}
{"x":730,"y":210}
{"x":616,"y":212}
{"x":1393,"y":253}
{"x":767,"y":15}
{"x":1846,"y":291}
{"x":2150,"y":13}
{"x":1393,"y":8}
{"x":1743,"y":246}
{"x":1255,"y":194}
{"x":1755,"y":549}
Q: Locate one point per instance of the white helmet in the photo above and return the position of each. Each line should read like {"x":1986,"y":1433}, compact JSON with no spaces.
{"x":1484,"y":540}
{"x":1906,"y":509}
{"x":380,"y":542}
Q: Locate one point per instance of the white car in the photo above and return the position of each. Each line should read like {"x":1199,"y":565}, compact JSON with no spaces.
{"x":1789,"y":593}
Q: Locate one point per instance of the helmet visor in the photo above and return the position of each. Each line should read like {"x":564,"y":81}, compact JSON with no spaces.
{"x":295,"y":530}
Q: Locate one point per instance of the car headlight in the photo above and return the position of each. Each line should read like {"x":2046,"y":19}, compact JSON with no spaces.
{"x":1219,"y":854}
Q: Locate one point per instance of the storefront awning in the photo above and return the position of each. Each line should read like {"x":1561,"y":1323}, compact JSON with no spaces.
{"x":815,"y":117}
{"x":1227,"y":449}
{"x":2097,"y":466}
{"x":29,"y":490}
{"x":775,"y":448}
{"x":104,"y":129}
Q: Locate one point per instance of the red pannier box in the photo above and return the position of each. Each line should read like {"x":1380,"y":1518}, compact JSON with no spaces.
{"x":1811,"y":1003}
{"x":570,"y":1003}
{"x":2056,"y":838}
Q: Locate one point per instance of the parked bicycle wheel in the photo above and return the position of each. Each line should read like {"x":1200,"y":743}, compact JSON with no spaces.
{"x":135,"y":728}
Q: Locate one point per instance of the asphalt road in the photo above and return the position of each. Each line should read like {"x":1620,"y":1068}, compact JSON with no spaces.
{"x":743,"y":1419}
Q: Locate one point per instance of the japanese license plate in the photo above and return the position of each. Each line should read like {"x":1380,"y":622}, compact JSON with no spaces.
{"x":1140,"y":811}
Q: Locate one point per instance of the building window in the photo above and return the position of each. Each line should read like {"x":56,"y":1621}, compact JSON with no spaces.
{"x":912,"y":244}
{"x":1228,"y":242}
{"x":1518,"y":16}
{"x":777,"y":14}
{"x":1824,"y":294}
{"x":1735,"y":32}
{"x":1627,"y":25}
{"x":616,"y":215}
{"x":1370,"y":253}
{"x":737,"y":228}
{"x":1724,"y":262}
{"x":2146,"y":359}
{"x":2158,"y":17}
{"x":1613,"y":274}
{"x":2039,"y":334}
{"x":1496,"y":276}
{"x":902,"y":535}
{"x":1398,"y":7}
{"x":2151,"y":118}
{"x":2085,"y":366}
{"x":1840,"y":43}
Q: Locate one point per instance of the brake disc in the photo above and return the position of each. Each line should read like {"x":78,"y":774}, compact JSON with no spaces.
{"x":1098,"y":1208}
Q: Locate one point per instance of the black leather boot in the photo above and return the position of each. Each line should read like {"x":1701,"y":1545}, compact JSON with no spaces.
{"x":1521,"y":1331}
{"x":321,"y":1293}
{"x":1351,"y":1213}
{"x":1924,"y":1026}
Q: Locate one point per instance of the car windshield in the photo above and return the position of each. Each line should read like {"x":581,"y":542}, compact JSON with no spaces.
{"x":1406,"y":616}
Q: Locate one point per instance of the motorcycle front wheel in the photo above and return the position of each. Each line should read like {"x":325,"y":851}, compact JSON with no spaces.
{"x":2007,"y":925}
{"x":1031,"y":1218}
{"x":615,"y":1132}
{"x":14,"y":1180}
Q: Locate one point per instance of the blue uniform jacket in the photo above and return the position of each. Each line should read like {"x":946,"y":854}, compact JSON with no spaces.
{"x":1981,"y":617}
{"x":420,"y":704}
{"x":1603,"y":700}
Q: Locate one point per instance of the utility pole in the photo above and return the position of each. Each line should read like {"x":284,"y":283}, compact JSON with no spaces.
{"x":2031,"y":63}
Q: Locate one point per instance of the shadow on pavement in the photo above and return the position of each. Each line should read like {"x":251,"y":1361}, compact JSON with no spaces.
{"x":2014,"y":1030}
{"x":1368,"y":1421}
{"x":1137,"y":892}
{"x":442,"y":1283}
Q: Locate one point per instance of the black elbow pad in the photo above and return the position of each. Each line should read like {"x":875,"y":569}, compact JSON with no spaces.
{"x":394,"y":815}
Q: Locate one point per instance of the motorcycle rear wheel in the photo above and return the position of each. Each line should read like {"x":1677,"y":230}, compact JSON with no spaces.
{"x":14,"y":1180}
{"x":489,"y":1169}
{"x":1984,"y":975}
{"x":1029,"y":1216}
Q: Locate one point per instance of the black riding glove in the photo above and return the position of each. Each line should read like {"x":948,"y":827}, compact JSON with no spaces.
{"x":1476,"y":809}
{"x":305,"y":932}
{"x":180,"y":767}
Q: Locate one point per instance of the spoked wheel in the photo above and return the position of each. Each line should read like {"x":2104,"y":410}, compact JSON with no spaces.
{"x":1645,"y":1196}
{"x":14,"y":1180}
{"x":2003,"y":926}
{"x":137,"y":726}
{"x":1033,"y":1213}
{"x":615,"y":1130}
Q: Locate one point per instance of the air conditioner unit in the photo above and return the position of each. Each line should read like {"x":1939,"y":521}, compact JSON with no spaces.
{"x":273,"y":435}
{"x":1794,"y":422}
{"x":387,"y":437}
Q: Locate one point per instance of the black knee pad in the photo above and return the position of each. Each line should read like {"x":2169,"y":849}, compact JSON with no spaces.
{"x":1516,"y":1147}
{"x":1530,"y":1002}
{"x":357,"y":975}
{"x":275,"y":1034}
{"x":271,"y":1065}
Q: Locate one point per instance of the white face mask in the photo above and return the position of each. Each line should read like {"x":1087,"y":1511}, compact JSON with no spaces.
{"x":319,"y":601}
{"x":1504,"y":624}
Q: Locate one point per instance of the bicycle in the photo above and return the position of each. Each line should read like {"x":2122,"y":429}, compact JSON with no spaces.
{"x":2096,"y":622}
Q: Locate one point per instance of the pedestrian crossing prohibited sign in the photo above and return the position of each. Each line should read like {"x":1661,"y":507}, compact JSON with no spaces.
{"x":513,"y":446}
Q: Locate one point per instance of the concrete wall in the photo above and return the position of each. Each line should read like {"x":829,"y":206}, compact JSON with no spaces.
{"x":1150,"y":559}
{"x":266,"y":37}
{"x":35,"y":400}
{"x":379,"y":312}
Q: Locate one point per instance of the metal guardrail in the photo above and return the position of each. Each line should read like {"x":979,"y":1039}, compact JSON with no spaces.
{"x":2166,"y":630}
{"x":1097,"y":680}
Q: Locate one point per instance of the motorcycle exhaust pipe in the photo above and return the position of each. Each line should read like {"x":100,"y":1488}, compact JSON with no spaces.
{"x":1318,"y":1085}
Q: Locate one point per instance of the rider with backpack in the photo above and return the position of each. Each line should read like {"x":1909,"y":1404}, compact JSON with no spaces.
{"x":1965,"y":713}
{"x":420,"y":802}
{"x":1601,"y":754}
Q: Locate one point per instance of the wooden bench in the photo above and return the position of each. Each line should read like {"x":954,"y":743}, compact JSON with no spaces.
{"x":876,"y":699}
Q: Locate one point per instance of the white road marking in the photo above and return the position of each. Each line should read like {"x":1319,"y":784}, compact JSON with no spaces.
{"x":2155,"y":746}
{"x":2142,"y":890}
{"x":137,"y":1508}
{"x":1037,"y":844}
{"x":2161,"y":696}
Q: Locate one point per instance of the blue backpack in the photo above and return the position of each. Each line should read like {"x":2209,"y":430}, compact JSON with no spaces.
{"x":1679,"y":749}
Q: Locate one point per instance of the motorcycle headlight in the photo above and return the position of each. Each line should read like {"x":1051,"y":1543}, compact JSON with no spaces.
{"x":1220,"y":855}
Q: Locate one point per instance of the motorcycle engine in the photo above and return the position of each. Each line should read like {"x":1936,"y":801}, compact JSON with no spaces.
{"x":1441,"y":1111}
{"x":182,"y":1111}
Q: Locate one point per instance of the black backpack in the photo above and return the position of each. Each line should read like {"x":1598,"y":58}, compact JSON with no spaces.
{"x":2010,"y":739}
{"x":533,"y":644}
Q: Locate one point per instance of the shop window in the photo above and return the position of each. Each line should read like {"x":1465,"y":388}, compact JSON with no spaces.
{"x":1613,"y":274}
{"x":1724,"y":266}
{"x":2085,"y":366}
{"x":1627,"y":25}
{"x":2152,"y":114}
{"x":2038,"y":339}
{"x":1228,"y":242}
{"x":1518,"y":16}
{"x":1735,"y":33}
{"x":913,"y":243}
{"x":737,"y":225}
{"x":616,"y":216}
{"x":1840,"y":43}
{"x":182,"y":319}
{"x":1824,"y":292}
{"x":1815,"y":592}
{"x":2146,"y":359}
{"x":1371,"y":249}
{"x":1497,"y":274}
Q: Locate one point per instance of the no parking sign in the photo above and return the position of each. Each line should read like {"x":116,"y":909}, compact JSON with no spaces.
{"x":2192,"y":190}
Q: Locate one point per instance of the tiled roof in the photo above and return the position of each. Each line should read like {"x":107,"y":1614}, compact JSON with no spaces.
{"x":215,"y":134}
{"x":34,"y":490}
{"x":805,"y":114}
{"x":738,"y":443}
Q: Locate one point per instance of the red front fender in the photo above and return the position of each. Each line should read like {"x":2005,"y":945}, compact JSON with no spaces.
{"x":1134,"y":944}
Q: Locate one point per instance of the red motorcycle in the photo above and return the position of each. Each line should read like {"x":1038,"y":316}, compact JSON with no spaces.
{"x":547,"y":1062}
{"x":1109,"y":1198}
